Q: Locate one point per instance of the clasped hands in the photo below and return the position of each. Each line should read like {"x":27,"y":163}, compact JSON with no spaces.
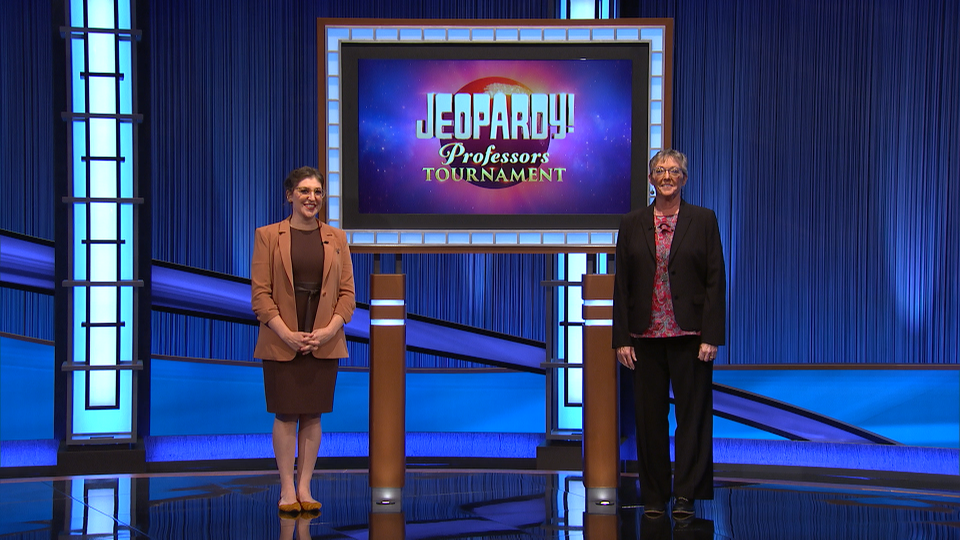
{"x":307,"y":342}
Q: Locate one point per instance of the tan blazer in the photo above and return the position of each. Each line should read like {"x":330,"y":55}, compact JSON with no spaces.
{"x":271,"y":276}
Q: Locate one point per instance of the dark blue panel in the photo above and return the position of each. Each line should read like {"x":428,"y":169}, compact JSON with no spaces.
{"x":26,"y":390}
{"x":27,"y":517}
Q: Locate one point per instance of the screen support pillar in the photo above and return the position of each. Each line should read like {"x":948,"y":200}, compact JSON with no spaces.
{"x":601,"y":440}
{"x":388,"y":346}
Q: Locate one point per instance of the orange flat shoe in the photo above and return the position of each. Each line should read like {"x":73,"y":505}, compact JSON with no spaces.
{"x":310,"y":506}
{"x":291,"y":508}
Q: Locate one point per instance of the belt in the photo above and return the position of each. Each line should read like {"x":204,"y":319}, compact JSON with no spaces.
{"x":312,"y":289}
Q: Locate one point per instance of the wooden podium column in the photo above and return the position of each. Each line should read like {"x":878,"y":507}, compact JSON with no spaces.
{"x":387,"y":526}
{"x":601,"y":526}
{"x":388,"y":347}
{"x":601,"y":439}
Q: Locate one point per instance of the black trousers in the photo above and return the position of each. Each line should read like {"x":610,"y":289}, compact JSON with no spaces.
{"x":660,"y":363}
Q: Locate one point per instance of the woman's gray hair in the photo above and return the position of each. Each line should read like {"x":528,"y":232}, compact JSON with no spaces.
{"x":668,"y":153}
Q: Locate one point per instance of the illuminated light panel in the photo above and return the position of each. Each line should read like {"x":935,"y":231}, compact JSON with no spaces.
{"x":99,"y":507}
{"x":102,"y":331}
{"x":95,"y":422}
{"x":569,"y":418}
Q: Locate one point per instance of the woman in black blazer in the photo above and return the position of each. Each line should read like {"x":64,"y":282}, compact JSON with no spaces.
{"x":668,"y":319}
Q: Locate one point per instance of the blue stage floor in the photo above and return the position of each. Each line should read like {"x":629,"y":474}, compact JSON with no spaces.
{"x":457,"y":504}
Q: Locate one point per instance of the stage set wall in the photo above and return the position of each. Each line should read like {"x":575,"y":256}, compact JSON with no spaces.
{"x":824,"y":134}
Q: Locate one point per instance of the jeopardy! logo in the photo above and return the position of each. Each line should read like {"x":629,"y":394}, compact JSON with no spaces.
{"x":495,"y":132}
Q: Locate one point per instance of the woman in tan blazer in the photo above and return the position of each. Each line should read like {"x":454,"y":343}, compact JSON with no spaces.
{"x":302,"y":293}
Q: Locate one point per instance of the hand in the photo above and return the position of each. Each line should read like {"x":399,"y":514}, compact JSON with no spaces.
{"x":295,"y":340}
{"x":627,"y":356}
{"x":707,"y":352}
{"x":317,"y":338}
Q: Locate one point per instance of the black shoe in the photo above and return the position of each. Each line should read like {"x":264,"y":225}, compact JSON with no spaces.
{"x":654,"y":511}
{"x":683,"y":508}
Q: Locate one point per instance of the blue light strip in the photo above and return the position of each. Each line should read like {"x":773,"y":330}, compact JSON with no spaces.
{"x":103,"y":285}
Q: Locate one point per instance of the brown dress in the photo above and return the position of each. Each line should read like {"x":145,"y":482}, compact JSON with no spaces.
{"x":305,"y":384}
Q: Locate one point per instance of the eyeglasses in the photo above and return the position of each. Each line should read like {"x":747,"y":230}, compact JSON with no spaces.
{"x":305,"y":192}
{"x":674,"y":172}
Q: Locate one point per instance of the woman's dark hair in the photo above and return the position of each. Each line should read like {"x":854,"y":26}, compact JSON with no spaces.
{"x":300,"y":174}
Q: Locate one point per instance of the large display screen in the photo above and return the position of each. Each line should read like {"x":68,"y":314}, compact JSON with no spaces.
{"x":470,"y":136}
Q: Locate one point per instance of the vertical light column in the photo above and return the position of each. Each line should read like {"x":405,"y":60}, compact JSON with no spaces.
{"x":601,"y":438}
{"x":566,"y":417}
{"x":564,"y":504}
{"x":388,"y":390}
{"x":102,"y":280}
{"x":587,"y":9}
{"x":100,"y":508}
{"x":571,"y":268}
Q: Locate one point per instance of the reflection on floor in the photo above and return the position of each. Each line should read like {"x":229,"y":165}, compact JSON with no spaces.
{"x":456,"y":504}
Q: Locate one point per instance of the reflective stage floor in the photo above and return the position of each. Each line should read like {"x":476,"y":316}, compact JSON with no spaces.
{"x":463,"y":504}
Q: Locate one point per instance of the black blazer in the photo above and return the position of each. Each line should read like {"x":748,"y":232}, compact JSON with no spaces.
{"x":697,"y":275}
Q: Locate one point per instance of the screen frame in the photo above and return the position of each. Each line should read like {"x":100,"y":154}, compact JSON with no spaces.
{"x":637,"y":53}
{"x":332,"y":33}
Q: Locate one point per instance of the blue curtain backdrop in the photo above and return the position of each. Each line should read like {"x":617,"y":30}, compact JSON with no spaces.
{"x":825,"y":134}
{"x":234,"y":109}
{"x":26,"y":118}
{"x":234,"y":86}
{"x":26,"y":149}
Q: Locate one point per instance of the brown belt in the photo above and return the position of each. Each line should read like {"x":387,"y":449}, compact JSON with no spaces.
{"x":312,"y":290}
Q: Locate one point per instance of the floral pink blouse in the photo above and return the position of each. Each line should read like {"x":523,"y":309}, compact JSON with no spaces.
{"x":663,"y":323}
